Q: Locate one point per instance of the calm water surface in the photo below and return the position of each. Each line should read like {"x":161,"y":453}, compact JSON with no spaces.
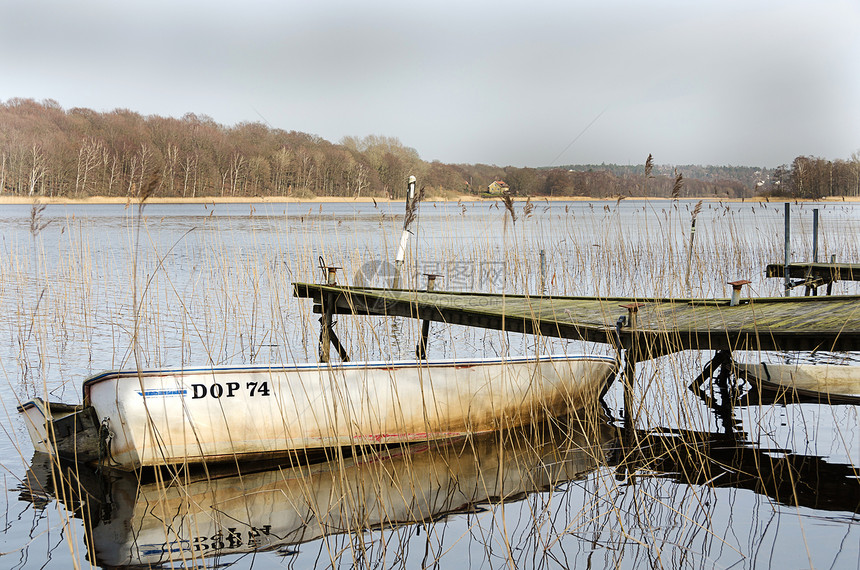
{"x":726,"y":478}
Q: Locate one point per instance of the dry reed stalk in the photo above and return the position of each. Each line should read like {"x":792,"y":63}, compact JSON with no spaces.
{"x":528,"y":208}
{"x":677,"y":185}
{"x":412,"y":208}
{"x":509,"y":206}
{"x":644,"y":513}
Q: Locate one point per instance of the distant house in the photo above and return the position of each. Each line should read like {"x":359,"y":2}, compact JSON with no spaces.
{"x":498,"y":187}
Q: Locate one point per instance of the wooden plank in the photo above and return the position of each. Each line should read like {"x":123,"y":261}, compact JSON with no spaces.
{"x":664,"y":324}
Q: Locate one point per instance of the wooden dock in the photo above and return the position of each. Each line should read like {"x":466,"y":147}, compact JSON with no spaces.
{"x":650,"y":326}
{"x":811,"y":276}
{"x":827,"y":272}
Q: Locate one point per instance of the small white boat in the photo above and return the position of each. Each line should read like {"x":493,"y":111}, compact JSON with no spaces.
{"x":132,"y":419}
{"x":834,"y":383}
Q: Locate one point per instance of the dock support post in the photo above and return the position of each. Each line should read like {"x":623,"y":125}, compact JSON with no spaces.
{"x":629,"y":375}
{"x":812,"y":285}
{"x":326,"y":330}
{"x":723,"y":360}
{"x":787,"y":247}
{"x":815,"y":235}
{"x":631,"y":355}
{"x":421,"y":349}
{"x":727,"y":394}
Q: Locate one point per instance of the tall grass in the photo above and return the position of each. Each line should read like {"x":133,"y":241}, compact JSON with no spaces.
{"x":567,"y":491}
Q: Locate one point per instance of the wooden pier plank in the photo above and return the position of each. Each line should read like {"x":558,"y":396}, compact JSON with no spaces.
{"x":664,"y":325}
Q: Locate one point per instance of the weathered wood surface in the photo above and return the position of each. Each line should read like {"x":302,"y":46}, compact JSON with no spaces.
{"x":827,"y":272}
{"x":663,"y":325}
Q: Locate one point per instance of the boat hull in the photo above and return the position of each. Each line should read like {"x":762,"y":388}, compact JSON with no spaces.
{"x":62,"y":429}
{"x":832,"y":383}
{"x":236,"y":414}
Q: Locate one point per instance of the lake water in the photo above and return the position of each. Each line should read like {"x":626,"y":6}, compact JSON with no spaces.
{"x":704,"y":484}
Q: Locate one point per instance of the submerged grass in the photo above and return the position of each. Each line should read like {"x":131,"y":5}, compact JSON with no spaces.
{"x":567,"y":492}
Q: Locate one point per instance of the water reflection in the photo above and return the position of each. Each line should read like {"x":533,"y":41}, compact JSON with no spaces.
{"x":155,"y":517}
{"x":729,"y":460}
{"x":68,"y":311}
{"x":130,"y":521}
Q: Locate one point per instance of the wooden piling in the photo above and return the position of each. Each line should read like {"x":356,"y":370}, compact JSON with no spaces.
{"x":631,"y":355}
{"x":815,"y":235}
{"x":787,"y":248}
{"x":326,"y":320}
{"x":421,"y":349}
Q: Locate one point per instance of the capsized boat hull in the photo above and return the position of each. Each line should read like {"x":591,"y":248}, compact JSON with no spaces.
{"x":160,"y":417}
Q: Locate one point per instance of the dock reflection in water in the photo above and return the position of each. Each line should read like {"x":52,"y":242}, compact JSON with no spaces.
{"x":733,"y":459}
{"x":129,"y":522}
{"x":727,"y":460}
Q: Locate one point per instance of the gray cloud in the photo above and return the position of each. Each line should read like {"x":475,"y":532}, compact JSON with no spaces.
{"x":735,"y":82}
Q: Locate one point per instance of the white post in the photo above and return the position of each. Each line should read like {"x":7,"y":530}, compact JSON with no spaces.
{"x":404,"y":235}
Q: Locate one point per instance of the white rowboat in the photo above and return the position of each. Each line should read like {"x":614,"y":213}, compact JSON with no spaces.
{"x":834,"y":383}
{"x":132,"y":419}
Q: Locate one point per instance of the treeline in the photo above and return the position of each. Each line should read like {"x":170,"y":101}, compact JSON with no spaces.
{"x":48,"y":151}
{"x":606,"y":184}
{"x":812,"y":178}
{"x":746,"y":175}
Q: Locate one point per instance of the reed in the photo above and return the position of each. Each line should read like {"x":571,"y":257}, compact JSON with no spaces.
{"x":569,"y":491}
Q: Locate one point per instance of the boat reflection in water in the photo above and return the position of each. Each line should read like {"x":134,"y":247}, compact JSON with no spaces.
{"x":130,"y":522}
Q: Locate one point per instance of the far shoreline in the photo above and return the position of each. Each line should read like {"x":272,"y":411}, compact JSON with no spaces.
{"x":117,"y":200}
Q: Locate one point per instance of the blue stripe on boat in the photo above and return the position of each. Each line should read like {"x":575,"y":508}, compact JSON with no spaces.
{"x":155,"y":393}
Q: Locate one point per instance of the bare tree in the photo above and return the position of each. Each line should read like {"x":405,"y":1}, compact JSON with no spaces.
{"x":855,"y":167}
{"x":2,"y":172}
{"x":171,"y":161}
{"x":132,"y":170}
{"x":89,"y":157}
{"x":283,"y":175}
{"x":38,"y":168}
{"x":189,"y":169}
{"x":110,"y":162}
{"x":236,"y":172}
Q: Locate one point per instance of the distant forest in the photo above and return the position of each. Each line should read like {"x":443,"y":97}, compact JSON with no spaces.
{"x":48,"y":151}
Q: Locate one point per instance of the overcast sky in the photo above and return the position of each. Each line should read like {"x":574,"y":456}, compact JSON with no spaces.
{"x":509,"y":83}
